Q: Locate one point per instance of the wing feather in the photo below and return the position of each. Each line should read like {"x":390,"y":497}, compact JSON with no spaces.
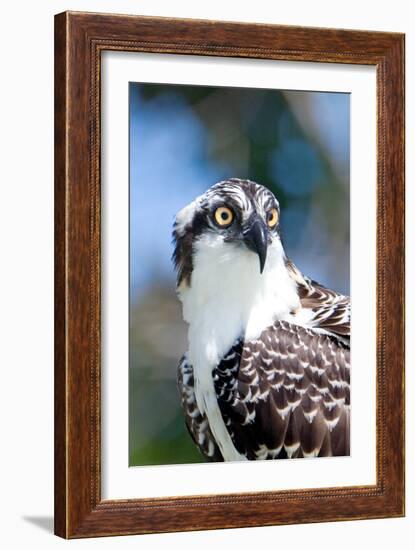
{"x":330,"y":310}
{"x":196,"y":422}
{"x":286,"y":394}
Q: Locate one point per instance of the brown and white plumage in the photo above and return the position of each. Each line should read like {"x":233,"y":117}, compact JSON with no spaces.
{"x":331,"y":311}
{"x":286,"y":394}
{"x":267,"y":374}
{"x":196,"y":422}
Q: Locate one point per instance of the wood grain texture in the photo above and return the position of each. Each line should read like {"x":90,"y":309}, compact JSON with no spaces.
{"x":79,"y":40}
{"x":60,"y":277}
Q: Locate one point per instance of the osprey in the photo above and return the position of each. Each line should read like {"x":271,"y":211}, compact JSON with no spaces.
{"x":267,"y":370}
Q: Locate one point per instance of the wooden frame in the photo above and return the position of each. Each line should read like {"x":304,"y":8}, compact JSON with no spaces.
{"x":79,"y":40}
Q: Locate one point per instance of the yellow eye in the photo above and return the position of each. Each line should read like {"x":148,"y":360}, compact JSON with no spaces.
{"x":223,"y":216}
{"x":272,"y":217}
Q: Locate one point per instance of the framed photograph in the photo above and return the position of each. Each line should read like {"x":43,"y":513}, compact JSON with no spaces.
{"x":229,"y":275}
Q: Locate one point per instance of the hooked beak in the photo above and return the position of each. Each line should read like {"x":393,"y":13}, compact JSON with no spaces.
{"x":256,"y":239}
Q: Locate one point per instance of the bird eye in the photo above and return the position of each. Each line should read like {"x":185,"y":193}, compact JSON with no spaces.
{"x":272,"y":217}
{"x":223,"y":216}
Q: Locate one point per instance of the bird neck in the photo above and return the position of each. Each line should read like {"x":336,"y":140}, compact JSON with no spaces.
{"x":229,"y":299}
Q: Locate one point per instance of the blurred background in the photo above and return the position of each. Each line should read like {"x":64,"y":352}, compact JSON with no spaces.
{"x":183,"y":139}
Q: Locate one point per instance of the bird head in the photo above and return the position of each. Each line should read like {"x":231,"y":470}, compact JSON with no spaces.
{"x":233,"y":215}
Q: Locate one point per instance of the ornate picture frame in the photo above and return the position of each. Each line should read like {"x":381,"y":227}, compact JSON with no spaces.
{"x":80,"y":39}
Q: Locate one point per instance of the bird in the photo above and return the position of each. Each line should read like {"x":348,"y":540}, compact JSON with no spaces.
{"x":267,"y":371}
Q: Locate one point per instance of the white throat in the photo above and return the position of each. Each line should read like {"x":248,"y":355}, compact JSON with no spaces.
{"x":229,"y":299}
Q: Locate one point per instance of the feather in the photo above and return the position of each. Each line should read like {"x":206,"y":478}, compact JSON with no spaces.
{"x":297,"y":405}
{"x":329,"y":310}
{"x":196,"y":422}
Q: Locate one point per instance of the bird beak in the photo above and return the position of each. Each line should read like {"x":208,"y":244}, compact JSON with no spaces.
{"x":256,"y":239}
